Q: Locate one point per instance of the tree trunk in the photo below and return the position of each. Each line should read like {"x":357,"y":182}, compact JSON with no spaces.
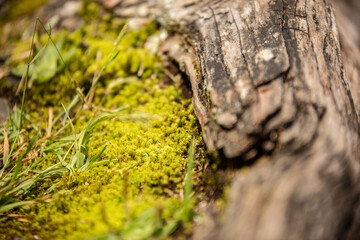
{"x":273,"y":89}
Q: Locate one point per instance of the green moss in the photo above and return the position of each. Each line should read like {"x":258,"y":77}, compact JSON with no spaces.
{"x":149,"y":164}
{"x":19,"y":8}
{"x":90,"y":10}
{"x":138,"y":194}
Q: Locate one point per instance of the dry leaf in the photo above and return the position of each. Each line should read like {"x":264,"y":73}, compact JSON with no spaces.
{"x":6,"y":147}
{"x":51,"y":118}
{"x":46,"y":197}
{"x":23,"y":220}
{"x":17,"y":153}
{"x":14,"y":215}
{"x":36,"y":237}
{"x":21,"y":84}
{"x":4,"y":72}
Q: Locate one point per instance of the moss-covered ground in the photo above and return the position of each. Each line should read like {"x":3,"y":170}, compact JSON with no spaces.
{"x":136,"y":186}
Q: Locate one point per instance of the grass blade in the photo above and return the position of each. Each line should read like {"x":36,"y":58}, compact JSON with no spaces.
{"x":112,"y":56}
{"x":39,"y":53}
{"x":14,"y":205}
{"x":189,"y":173}
{"x":19,"y":161}
{"x":121,"y":34}
{"x":97,"y":156}
{"x":75,"y":100}
{"x":96,"y":164}
{"x":113,"y":59}
{"x":92,"y":162}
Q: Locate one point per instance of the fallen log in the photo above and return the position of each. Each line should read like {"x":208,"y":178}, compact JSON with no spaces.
{"x":271,"y":81}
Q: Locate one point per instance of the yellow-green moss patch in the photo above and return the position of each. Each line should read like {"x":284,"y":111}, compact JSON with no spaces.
{"x":139,"y":193}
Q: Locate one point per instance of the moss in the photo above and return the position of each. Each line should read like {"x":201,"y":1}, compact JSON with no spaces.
{"x":141,"y":190}
{"x":149,"y":159}
{"x":90,"y":47}
{"x":90,"y":11}
{"x":19,"y":8}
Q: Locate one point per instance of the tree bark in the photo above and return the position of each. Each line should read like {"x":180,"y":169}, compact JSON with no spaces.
{"x":268,"y":80}
{"x":275,"y":90}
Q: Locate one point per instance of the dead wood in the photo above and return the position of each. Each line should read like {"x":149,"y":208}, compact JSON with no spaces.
{"x":271,"y":79}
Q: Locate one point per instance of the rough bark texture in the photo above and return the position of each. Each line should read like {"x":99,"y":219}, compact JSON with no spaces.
{"x":269,"y":79}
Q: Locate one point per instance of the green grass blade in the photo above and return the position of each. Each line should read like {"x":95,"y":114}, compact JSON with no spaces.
{"x":92,"y":162}
{"x":121,"y":35}
{"x":113,"y":59}
{"x":14,"y":205}
{"x":97,"y":156}
{"x":85,"y":133}
{"x":70,"y":121}
{"x":39,"y":53}
{"x":23,"y":186}
{"x":96,"y":164}
{"x":189,"y":172}
{"x":74,"y":101}
{"x":19,"y":161}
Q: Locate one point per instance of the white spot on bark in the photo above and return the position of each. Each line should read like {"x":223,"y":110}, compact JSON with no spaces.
{"x":264,"y":55}
{"x":276,"y":35}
